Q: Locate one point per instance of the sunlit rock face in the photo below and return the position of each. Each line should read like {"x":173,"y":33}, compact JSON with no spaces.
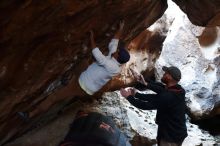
{"x":202,"y":13}
{"x":195,"y":51}
{"x":139,"y":125}
{"x":146,"y":48}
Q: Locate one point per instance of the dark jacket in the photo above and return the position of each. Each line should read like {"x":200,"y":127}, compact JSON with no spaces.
{"x":94,"y":129}
{"x":171,"y":109}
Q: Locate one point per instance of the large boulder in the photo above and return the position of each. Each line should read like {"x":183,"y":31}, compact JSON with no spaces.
{"x":45,"y":43}
{"x":195,"y":51}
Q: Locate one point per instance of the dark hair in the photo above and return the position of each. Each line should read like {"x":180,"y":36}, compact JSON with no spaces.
{"x":123,"y":56}
{"x":173,"y":71}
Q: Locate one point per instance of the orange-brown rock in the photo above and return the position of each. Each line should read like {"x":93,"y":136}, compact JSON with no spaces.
{"x":45,"y":43}
{"x":208,"y":36}
{"x":41,"y":40}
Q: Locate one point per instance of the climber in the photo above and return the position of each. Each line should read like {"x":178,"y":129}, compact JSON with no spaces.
{"x":92,"y":79}
{"x":169,"y":101}
{"x":105,"y":67}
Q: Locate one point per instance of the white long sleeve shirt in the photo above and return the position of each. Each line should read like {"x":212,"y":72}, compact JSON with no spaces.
{"x":101,"y":71}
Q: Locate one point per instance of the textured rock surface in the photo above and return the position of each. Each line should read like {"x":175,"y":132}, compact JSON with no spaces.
{"x":201,"y":12}
{"x":195,"y":50}
{"x":42,"y":40}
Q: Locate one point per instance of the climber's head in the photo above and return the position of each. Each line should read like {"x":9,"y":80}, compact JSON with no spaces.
{"x":122,"y":55}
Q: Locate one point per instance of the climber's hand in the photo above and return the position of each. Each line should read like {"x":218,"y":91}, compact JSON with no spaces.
{"x":121,"y":25}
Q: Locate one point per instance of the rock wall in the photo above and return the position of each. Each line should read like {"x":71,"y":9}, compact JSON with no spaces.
{"x":45,"y":43}
{"x":195,"y":50}
{"x":202,"y":13}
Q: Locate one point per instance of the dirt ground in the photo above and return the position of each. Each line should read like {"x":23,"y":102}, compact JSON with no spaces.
{"x":52,"y":133}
